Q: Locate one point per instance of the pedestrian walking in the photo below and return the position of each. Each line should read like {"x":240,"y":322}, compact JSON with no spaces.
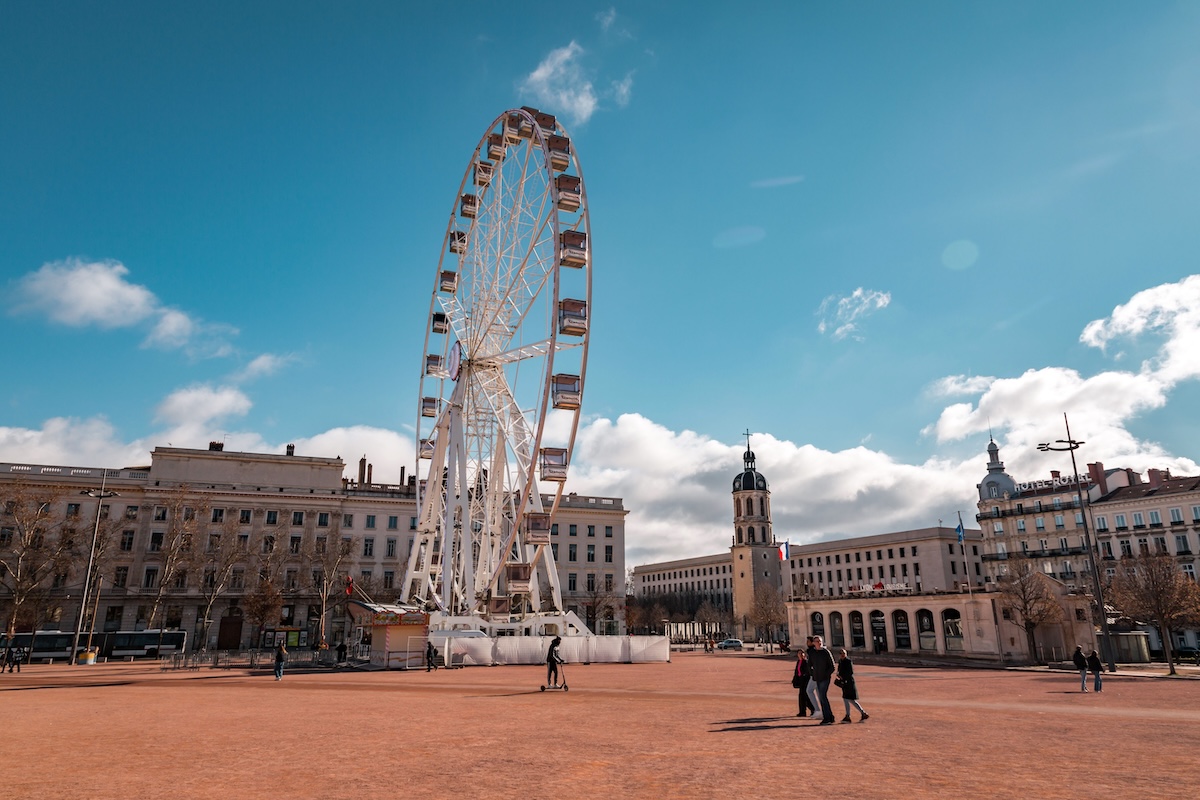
{"x":553,"y":659}
{"x":845,"y":679}
{"x":341,"y":652}
{"x":13,"y":657}
{"x":280,"y":660}
{"x":1093,"y":663}
{"x":1080,"y":661}
{"x":801,"y":678}
{"x":431,"y":656}
{"x":822,"y":671}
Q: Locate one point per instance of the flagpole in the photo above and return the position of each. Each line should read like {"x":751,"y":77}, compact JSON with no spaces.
{"x":963,"y":547}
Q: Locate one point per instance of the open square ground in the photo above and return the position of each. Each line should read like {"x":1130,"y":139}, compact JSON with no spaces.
{"x":703,"y":725}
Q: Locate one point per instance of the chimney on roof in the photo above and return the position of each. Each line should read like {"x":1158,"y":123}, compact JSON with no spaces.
{"x":1096,"y":472}
{"x":362,"y":470}
{"x":1135,"y":478}
{"x":216,"y":446}
{"x":1055,"y":474}
{"x":1156,"y":478}
{"x":370,"y":469}
{"x":402,"y":476}
{"x":291,"y":449}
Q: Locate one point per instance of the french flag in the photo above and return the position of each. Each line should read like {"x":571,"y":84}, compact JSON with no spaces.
{"x":783,"y":552}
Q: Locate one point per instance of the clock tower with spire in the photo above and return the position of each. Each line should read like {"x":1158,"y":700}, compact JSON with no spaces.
{"x":754,"y":551}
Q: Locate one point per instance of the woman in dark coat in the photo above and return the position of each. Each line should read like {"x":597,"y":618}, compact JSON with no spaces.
{"x":553,"y":659}
{"x":845,"y":679}
{"x":800,"y":681}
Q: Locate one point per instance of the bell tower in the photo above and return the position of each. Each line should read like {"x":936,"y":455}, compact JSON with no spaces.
{"x":755,"y":553}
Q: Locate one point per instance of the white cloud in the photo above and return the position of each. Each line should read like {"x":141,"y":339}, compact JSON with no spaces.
{"x":842,"y":315}
{"x":199,"y":405}
{"x":960,"y":384}
{"x":606,"y":18}
{"x":262,"y":366}
{"x":622,"y":90}
{"x":559,"y":84}
{"x":80,"y":293}
{"x":771,"y":183}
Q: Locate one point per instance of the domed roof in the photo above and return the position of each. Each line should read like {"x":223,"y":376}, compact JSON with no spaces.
{"x":749,"y":479}
{"x":997,"y":484}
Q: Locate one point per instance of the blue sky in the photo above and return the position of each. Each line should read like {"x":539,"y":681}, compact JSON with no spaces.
{"x":869,"y":233}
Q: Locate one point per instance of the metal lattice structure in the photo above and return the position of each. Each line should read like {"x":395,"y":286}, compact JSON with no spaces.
{"x":502,"y":376}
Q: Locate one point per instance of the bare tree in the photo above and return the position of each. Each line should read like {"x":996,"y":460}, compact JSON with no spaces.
{"x":1025,"y":594}
{"x":597,"y":600}
{"x":33,"y":555}
{"x":215,"y":562}
{"x":1152,"y":589}
{"x":326,"y":561}
{"x":174,"y":548}
{"x":767,"y":610}
{"x":264,"y":603}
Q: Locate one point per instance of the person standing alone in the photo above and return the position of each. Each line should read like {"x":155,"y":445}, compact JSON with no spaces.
{"x":822,"y":670}
{"x":845,"y":679}
{"x":280,"y":659}
{"x":553,"y":659}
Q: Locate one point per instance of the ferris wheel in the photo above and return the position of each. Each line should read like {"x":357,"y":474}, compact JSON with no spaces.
{"x":502,"y":375}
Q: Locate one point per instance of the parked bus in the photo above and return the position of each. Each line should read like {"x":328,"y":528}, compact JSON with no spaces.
{"x":56,"y":645}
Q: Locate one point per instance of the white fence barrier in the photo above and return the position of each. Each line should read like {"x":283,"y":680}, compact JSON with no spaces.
{"x":478,"y":651}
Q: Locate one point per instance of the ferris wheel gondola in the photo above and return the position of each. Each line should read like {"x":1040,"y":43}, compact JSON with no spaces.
{"x":502,"y":375}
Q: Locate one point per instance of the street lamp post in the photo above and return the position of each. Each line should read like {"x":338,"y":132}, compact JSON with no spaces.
{"x":100,"y":496}
{"x":1072,"y":445}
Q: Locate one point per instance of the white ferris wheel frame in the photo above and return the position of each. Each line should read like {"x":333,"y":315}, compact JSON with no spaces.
{"x":482,"y":544}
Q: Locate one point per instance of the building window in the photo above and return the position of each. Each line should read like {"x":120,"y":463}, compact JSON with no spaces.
{"x":347,"y":520}
{"x":1121,"y":525}
{"x":554,"y":550}
{"x":319,"y":544}
{"x":574,"y":530}
{"x":571,"y":552}
{"x":608,"y":582}
{"x":1143,"y":546}
{"x":591,"y":581}
{"x":370,"y":522}
{"x":389,"y":579}
{"x":591,"y":553}
{"x":608,"y":531}
{"x":1139,"y":519}
{"x":1190,"y":571}
{"x":412,"y":523}
{"x":1176,"y":515}
{"x":1058,"y":522}
{"x":1126,"y":548}
{"x":368,"y":547}
{"x":218,"y":516}
{"x":126,"y":541}
{"x":1155,"y":518}
{"x":1181,"y":543}
{"x":391,"y":547}
{"x":268,"y":544}
{"x":1020,"y":526}
{"x":150,"y":580}
{"x":393,"y":523}
{"x":272,"y":517}
{"x":237,"y":579}
{"x":131,"y":512}
{"x":1039,"y":523}
{"x":1106,"y":549}
{"x":244,"y":516}
{"x":322,"y":519}
{"x":156,"y":541}
{"x":160,"y":513}
{"x":297,"y":518}
{"x":121,"y":577}
{"x":1101,"y":524}
{"x":608,"y":554}
{"x":1160,"y":545}
{"x":291,"y":580}
{"x":591,"y":530}
{"x":294,"y":545}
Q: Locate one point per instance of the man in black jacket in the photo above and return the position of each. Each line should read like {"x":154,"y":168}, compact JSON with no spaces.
{"x":823,"y":668}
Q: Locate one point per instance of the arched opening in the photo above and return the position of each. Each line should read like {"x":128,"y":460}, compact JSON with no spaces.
{"x":762,"y":506}
{"x":751,"y":533}
{"x":926,"y":635}
{"x":952,"y":629}
{"x":858,"y":637}
{"x":739,"y":535}
{"x":879,"y":640}
{"x":818,"y":624}
{"x":837,"y":633}
{"x":901,"y":631}
{"x":737,"y":506}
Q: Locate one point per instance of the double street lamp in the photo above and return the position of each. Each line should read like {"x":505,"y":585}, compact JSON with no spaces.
{"x":100,"y":497}
{"x":1072,"y":445}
